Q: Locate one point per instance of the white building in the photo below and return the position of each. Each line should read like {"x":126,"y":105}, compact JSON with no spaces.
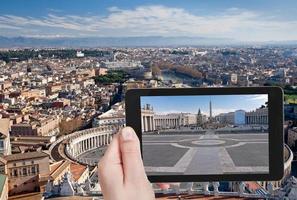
{"x":239,"y":117}
{"x":80,"y":54}
{"x":233,"y":78}
{"x":258,"y":116}
{"x":235,"y":118}
{"x":5,"y":147}
{"x":114,"y":116}
{"x":225,"y":118}
{"x":151,"y":121}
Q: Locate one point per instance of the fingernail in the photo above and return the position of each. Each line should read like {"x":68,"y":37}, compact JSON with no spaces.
{"x":128,"y":133}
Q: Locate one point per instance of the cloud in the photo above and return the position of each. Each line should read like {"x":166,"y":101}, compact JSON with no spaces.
{"x":261,"y":97}
{"x":154,"y":20}
{"x":217,"y":111}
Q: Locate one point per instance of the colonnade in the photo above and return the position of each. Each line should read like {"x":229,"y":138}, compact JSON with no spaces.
{"x":89,"y":144}
{"x":257,"y":119}
{"x":147,"y":123}
{"x":167,"y":123}
{"x":87,"y":140}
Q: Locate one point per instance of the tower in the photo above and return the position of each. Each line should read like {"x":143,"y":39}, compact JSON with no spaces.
{"x":199,"y":118}
{"x":210,"y":110}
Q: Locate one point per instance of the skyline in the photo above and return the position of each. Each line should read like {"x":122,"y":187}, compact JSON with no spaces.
{"x":220,"y":103}
{"x":239,"y":21}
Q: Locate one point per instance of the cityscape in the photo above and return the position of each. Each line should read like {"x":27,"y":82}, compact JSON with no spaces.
{"x":65,"y":68}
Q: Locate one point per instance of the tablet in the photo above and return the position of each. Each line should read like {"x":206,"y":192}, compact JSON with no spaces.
{"x":209,"y":134}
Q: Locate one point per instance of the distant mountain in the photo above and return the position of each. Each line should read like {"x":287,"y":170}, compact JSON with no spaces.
{"x":7,"y":42}
{"x":146,"y":41}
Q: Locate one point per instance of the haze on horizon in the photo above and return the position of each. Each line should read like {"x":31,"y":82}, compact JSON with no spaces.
{"x":258,"y":21}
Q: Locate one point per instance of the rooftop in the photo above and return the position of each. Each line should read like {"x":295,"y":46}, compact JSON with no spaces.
{"x":58,"y":167}
{"x":4,"y":126}
{"x":25,"y":156}
{"x":77,"y":170}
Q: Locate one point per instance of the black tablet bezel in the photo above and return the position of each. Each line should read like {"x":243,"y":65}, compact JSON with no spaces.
{"x":275,"y":113}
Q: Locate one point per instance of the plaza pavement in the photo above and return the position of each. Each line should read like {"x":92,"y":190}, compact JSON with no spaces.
{"x":208,"y":153}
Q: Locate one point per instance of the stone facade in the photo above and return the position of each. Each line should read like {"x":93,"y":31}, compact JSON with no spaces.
{"x":27,"y":172}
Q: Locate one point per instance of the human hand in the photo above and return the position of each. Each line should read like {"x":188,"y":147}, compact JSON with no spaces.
{"x":121,"y":171}
{"x":166,"y":186}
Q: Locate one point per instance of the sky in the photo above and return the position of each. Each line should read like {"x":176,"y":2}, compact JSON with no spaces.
{"x":252,"y":20}
{"x":191,"y":104}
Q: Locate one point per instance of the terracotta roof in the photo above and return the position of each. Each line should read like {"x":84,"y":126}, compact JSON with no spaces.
{"x":58,"y":168}
{"x":77,"y":170}
{"x":4,"y":126}
{"x":25,"y":156}
{"x":28,"y":196}
{"x":55,"y":165}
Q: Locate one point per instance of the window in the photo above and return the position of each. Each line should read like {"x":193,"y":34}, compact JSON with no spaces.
{"x":24,"y":163}
{"x":33,"y":170}
{"x":32,"y":162}
{"x":24,"y":171}
{"x":14,"y":164}
{"x":1,"y":144}
{"x":15,"y":172}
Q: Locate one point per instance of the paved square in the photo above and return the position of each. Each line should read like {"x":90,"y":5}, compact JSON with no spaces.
{"x":208,"y":153}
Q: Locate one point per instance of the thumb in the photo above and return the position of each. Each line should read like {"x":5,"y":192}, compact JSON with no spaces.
{"x":131,"y":157}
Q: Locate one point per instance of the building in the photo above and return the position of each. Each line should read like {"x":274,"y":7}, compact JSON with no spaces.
{"x":233,"y":79}
{"x":27,"y":172}
{"x":5,"y":147}
{"x":226,"y":118}
{"x":239,"y":117}
{"x":100,"y":71}
{"x":290,"y":111}
{"x":80,"y":173}
{"x":48,"y":126}
{"x":80,"y":54}
{"x":132,"y":84}
{"x":24,"y":129}
{"x":33,"y":93}
{"x":53,"y":88}
{"x":151,"y":121}
{"x":281,"y":72}
{"x":258,"y":116}
{"x":147,"y":118}
{"x":292,"y":138}
{"x":114,"y":116}
{"x":57,"y":171}
{"x":43,"y":126}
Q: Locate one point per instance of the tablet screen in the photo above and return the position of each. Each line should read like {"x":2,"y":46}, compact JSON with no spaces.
{"x":204,"y":135}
